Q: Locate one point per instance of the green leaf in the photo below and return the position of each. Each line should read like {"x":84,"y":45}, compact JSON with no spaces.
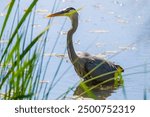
{"x":11,"y":4}
{"x":27,"y":49}
{"x":18,"y":27}
{"x":13,"y":50}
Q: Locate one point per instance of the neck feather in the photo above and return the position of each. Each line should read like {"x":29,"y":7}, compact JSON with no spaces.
{"x":71,"y":52}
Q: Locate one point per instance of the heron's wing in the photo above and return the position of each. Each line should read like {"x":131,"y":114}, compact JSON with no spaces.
{"x":98,"y":67}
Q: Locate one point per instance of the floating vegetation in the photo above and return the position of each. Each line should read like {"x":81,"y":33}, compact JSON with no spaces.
{"x":56,"y":55}
{"x":77,"y":42}
{"x":109,"y":52}
{"x":98,"y":6}
{"x":3,"y":41}
{"x":36,"y":25}
{"x":44,"y":81}
{"x":117,"y":2}
{"x":128,"y":47}
{"x":87,"y":20}
{"x":101,"y":55}
{"x":63,"y":32}
{"x":99,"y":44}
{"x":4,"y":65}
{"x":111,"y":12}
{"x":99,"y":31}
{"x":66,"y":0}
{"x":2,"y":14}
{"x":42,"y":11}
{"x":123,"y":21}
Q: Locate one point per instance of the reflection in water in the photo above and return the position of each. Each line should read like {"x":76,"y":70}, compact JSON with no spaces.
{"x":101,"y":92}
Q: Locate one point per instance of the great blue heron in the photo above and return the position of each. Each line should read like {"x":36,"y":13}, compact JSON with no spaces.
{"x":85,"y":65}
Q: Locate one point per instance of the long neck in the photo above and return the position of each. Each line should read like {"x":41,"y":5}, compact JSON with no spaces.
{"x":71,"y":52}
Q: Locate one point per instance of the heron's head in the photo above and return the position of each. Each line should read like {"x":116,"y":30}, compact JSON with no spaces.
{"x":69,"y":12}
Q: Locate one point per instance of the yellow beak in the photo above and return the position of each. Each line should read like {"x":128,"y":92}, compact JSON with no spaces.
{"x":61,"y":13}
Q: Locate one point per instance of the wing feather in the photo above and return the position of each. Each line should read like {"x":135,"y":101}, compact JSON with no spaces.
{"x":100,"y":67}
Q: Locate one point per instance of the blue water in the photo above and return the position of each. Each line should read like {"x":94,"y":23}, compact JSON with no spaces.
{"x":105,"y":27}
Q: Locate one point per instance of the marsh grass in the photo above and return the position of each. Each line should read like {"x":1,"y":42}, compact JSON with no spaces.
{"x":18,"y":63}
{"x":21,"y":61}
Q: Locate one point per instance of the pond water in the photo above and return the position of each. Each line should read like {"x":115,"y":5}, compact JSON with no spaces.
{"x":105,"y":28}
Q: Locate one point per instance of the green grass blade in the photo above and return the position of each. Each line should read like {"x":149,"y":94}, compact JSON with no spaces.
{"x":13,"y":50}
{"x":23,"y":55}
{"x":7,"y":16}
{"x":18,"y":27}
{"x":87,"y":90}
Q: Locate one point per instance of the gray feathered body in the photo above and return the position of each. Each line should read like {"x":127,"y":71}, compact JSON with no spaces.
{"x":88,"y":67}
